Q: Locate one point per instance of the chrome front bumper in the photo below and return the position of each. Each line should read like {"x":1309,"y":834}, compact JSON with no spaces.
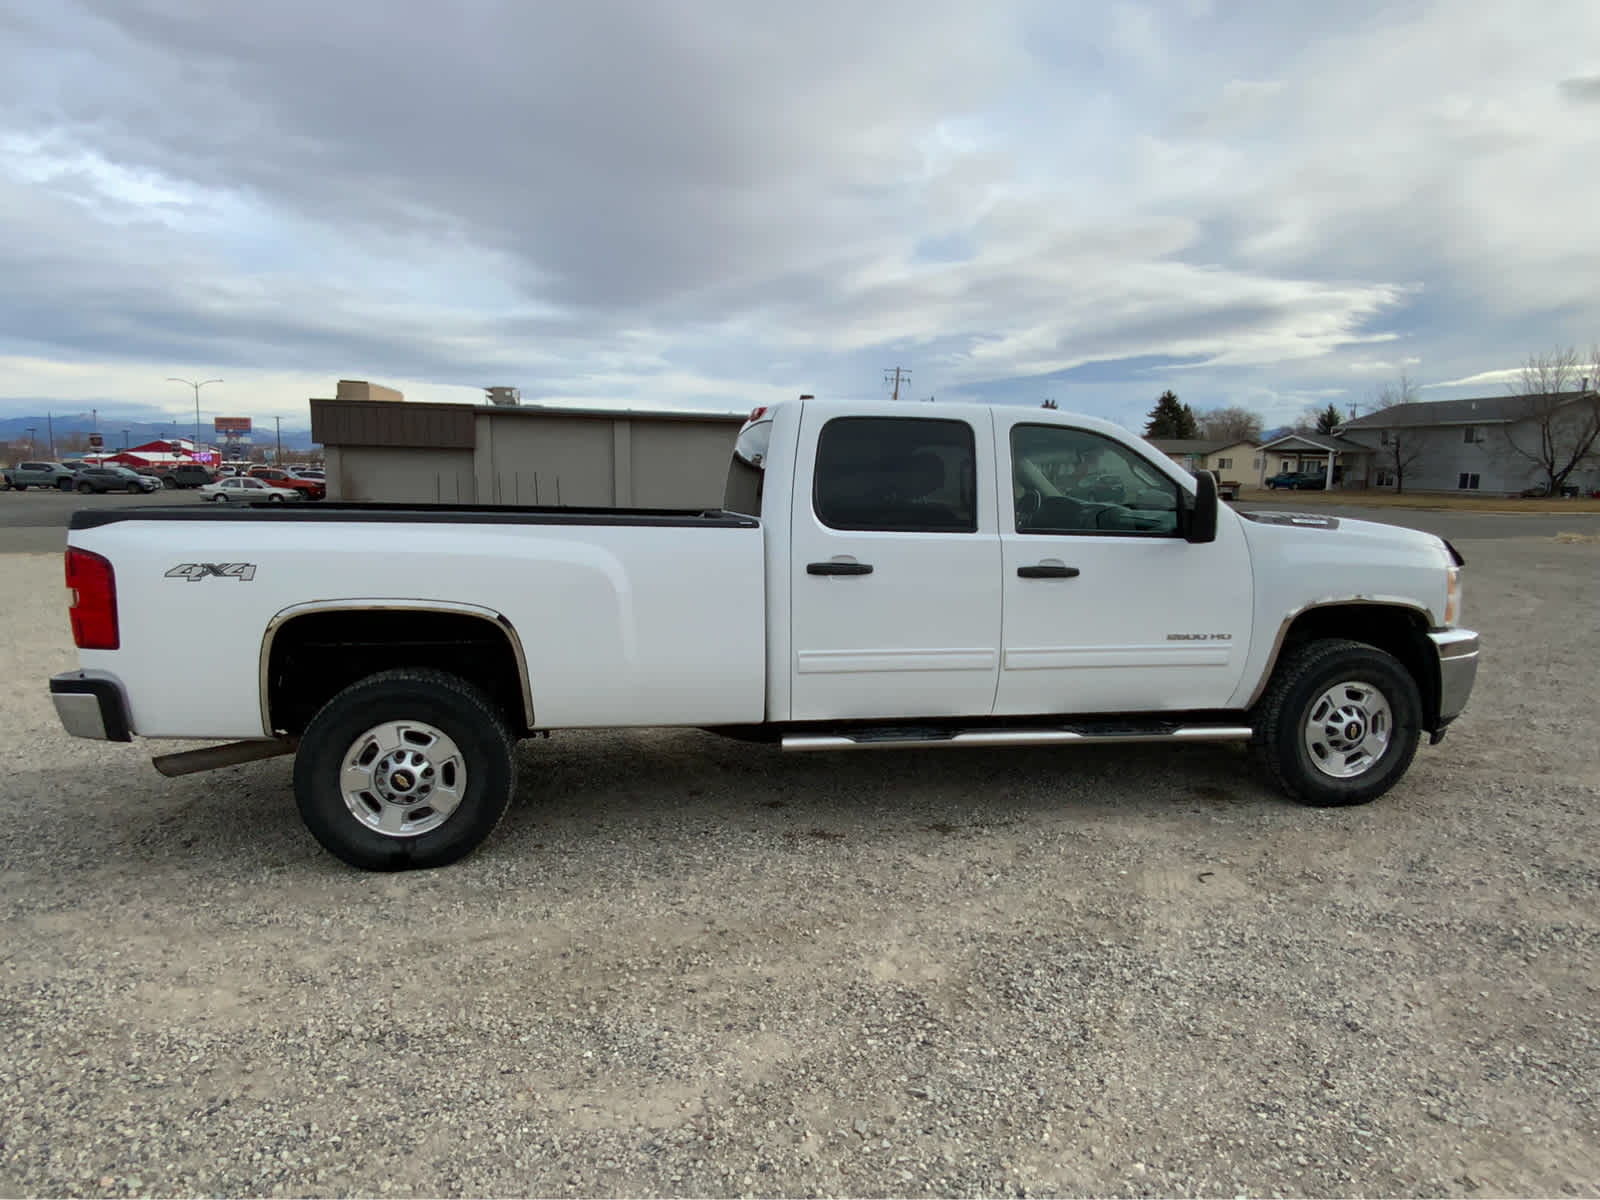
{"x":1457,"y":651}
{"x":90,"y":704}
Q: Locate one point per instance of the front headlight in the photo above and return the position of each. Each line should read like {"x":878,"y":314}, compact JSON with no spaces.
{"x":1452,"y":596}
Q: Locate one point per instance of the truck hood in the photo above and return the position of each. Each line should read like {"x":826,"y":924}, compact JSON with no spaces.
{"x":1283,"y":530}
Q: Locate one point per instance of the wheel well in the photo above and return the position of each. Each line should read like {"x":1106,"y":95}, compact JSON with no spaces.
{"x":1402,"y":632}
{"x":316,"y":656}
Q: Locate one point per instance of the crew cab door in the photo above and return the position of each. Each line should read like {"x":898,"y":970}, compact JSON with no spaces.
{"x":895,"y":612}
{"x":1107,"y":607}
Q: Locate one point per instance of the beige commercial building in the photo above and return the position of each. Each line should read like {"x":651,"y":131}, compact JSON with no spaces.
{"x":382,"y":448}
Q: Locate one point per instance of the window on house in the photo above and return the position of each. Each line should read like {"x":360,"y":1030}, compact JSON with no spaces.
{"x":1383,"y":437}
{"x":899,"y":474}
{"x":1255,"y":463}
{"x":1468,"y":481}
{"x":1224,"y":464}
{"x":1472,"y":434}
{"x":1383,"y":477}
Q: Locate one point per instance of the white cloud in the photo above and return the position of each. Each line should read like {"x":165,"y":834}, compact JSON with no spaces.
{"x":695,"y":203}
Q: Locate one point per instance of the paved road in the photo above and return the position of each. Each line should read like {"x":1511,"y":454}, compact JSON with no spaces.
{"x":35,"y":521}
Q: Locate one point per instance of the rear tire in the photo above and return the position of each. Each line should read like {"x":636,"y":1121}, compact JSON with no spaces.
{"x":376,"y":767}
{"x":1339,"y":723}
{"x":168,"y":482}
{"x":21,"y":487}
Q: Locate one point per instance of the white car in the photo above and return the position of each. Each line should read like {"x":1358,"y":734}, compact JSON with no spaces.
{"x":244,"y":489}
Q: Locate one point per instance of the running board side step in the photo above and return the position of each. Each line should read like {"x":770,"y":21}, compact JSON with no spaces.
{"x":890,"y":738}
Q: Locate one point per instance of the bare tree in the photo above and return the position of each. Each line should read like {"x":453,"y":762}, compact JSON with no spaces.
{"x":1399,"y":448}
{"x":1233,"y":424}
{"x":1560,"y":428}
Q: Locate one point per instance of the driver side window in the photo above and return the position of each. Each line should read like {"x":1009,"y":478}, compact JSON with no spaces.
{"x":1072,"y":481}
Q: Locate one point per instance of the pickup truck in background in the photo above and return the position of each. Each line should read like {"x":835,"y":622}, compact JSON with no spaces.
{"x":880,"y":576}
{"x":41,"y":475}
{"x":310,"y":489}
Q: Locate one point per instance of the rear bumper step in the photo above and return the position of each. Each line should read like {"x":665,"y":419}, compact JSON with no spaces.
{"x":1059,"y":735}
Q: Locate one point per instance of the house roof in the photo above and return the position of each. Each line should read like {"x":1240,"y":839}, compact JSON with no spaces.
{"x":1318,"y":441}
{"x":1473,"y":410}
{"x":1197,"y":445}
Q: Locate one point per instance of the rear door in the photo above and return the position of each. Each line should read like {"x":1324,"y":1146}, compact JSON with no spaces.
{"x":895,"y":608}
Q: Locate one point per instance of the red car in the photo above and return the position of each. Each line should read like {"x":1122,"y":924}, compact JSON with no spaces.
{"x":313,"y":489}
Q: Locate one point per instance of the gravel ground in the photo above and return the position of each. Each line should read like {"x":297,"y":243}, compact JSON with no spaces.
{"x":689,"y":966}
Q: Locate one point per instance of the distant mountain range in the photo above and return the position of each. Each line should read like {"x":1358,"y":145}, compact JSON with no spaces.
{"x":15,"y":429}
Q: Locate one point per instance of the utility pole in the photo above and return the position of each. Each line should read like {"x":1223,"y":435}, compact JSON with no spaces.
{"x":278,"y":422}
{"x":33,"y":447}
{"x":896,"y":376}
{"x":124,"y":441}
{"x":50,"y":432}
{"x":196,"y":387}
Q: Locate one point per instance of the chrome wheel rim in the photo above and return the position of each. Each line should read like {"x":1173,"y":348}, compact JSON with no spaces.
{"x":403,"y":778}
{"x":1347,"y":729}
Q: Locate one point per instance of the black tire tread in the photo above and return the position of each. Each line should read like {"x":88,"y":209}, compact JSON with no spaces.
{"x":1270,"y":717}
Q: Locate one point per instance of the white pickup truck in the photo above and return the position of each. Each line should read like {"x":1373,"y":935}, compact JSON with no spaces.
{"x":880,"y":576}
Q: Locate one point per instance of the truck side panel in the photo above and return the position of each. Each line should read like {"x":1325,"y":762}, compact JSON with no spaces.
{"x":621,"y":625}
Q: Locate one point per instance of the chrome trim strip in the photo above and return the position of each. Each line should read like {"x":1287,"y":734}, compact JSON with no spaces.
{"x":1296,"y":614}
{"x":1458,"y":669}
{"x":389,"y":605}
{"x":1019,"y":737}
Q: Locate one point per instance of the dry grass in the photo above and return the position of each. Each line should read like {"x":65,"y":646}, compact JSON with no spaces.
{"x":1454,"y":503}
{"x":1587,"y":539}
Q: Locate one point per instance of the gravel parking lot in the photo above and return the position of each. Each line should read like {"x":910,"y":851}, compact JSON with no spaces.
{"x":690,"y":966}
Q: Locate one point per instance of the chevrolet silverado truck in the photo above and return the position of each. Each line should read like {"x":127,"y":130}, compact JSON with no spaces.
{"x":876,"y":578}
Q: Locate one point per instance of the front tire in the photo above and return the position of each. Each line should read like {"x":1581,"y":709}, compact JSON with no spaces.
{"x":219,"y":498}
{"x":84,"y":489}
{"x":411,"y":768}
{"x":274,"y":499}
{"x":1339,"y":723}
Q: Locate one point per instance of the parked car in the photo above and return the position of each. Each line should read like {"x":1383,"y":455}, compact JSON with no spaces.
{"x":314,"y":489}
{"x":1299,"y":480}
{"x":113,"y":479}
{"x":41,"y":475}
{"x":242,"y":489}
{"x":186,"y":475}
{"x":869,"y":583}
{"x":5,"y":479}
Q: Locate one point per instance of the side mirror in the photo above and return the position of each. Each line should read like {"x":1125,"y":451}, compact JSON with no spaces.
{"x":1200,"y":520}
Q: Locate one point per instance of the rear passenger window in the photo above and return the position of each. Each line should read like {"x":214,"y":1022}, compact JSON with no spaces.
{"x":896,"y":474}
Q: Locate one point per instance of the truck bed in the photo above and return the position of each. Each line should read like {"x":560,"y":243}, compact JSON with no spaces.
{"x":624,"y":616}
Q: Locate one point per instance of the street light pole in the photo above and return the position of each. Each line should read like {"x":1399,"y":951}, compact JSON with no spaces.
{"x":196,"y":386}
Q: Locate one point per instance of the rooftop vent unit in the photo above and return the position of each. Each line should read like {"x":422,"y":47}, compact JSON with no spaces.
{"x":506,"y":397}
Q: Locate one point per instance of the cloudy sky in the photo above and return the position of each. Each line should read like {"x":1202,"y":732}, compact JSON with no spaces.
{"x":716,"y":203}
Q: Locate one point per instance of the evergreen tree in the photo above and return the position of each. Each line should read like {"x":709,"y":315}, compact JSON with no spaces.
{"x":1170,"y":419}
{"x":1328,"y":419}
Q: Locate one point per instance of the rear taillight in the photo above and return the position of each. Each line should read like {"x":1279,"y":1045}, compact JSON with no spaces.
{"x":92,"y":587}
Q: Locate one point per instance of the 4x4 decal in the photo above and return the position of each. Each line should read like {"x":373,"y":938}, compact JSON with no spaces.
{"x":195,"y":572}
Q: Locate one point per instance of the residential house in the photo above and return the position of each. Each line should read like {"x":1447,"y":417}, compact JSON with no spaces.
{"x":1469,"y":445}
{"x":1232,"y":461}
{"x":1311,"y":452}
